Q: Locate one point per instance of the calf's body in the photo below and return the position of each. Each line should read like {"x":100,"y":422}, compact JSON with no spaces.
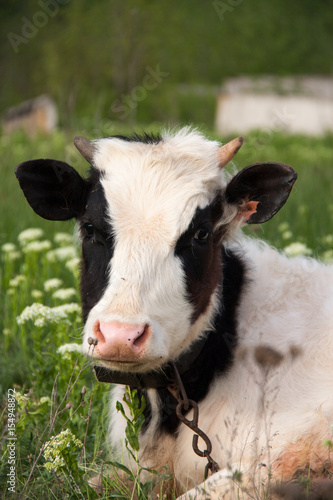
{"x":264,"y":409}
{"x":167,"y":277}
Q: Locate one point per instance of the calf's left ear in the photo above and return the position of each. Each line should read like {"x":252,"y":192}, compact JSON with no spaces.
{"x":53,"y":188}
{"x":260,"y":190}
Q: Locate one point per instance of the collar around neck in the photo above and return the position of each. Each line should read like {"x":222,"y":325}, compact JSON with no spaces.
{"x":161,"y":378}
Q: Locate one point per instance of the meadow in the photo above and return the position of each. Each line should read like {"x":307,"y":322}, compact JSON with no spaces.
{"x":59,"y":414}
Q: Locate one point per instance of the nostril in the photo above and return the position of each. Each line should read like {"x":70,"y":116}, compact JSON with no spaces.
{"x":97,"y":332}
{"x":139,"y":341}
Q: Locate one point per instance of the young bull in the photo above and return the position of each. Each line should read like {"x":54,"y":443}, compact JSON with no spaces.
{"x":169,"y":286}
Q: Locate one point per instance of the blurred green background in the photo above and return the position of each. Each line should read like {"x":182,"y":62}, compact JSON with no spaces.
{"x":91,"y":56}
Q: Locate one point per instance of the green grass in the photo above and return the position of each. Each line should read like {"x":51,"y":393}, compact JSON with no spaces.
{"x":55,"y":389}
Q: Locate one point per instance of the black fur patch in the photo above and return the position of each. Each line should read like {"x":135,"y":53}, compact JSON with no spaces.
{"x":201,"y":260}
{"x":97,"y":247}
{"x":145,"y":138}
{"x":217,"y":355}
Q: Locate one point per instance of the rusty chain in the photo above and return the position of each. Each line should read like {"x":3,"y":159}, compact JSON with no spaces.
{"x":184,"y":405}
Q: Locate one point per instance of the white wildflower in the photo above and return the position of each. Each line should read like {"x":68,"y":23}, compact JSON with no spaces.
{"x":13,"y":256}
{"x":287,"y":235}
{"x":42,"y":315}
{"x":22,"y":399}
{"x":284,"y":226}
{"x":61,"y":254}
{"x":17,"y":281}
{"x":31,"y":234}
{"x":69,"y":348}
{"x":37,"y":246}
{"x":68,"y":308}
{"x":73,"y":265}
{"x":327,"y":240}
{"x":52,"y":284}
{"x":297,"y":248}
{"x":8,"y":248}
{"x":36,"y":294}
{"x":63,"y":239}
{"x":45,"y":400}
{"x":327,"y":256}
{"x":64,"y":293}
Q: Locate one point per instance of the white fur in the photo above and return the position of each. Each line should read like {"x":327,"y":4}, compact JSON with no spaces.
{"x":288,"y":305}
{"x":253,"y":414}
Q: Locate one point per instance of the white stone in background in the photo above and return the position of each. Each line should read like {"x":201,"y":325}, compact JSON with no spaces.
{"x":294,"y":105}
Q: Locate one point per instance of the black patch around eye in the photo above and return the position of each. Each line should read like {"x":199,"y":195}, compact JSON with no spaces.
{"x":200,"y":222}
{"x":199,"y":253}
{"x":87,"y":230}
{"x":203,"y":234}
{"x":97,"y":249}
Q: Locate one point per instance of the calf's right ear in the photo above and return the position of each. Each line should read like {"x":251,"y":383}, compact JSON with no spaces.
{"x":53,"y":188}
{"x":260,"y":190}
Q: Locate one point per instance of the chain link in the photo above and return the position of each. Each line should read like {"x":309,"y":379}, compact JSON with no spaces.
{"x":184,"y":405}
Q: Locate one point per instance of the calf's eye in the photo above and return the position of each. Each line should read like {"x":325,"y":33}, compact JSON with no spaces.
{"x":88,"y":229}
{"x":202,"y":235}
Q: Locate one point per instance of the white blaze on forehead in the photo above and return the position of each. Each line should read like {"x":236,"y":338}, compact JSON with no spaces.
{"x":153,"y":190}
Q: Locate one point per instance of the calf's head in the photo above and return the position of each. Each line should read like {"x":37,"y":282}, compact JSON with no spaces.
{"x":152,"y":216}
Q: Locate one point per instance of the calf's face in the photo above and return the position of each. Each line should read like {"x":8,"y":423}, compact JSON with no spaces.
{"x":152,"y":217}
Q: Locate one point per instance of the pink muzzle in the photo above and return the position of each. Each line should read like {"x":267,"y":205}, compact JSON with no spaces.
{"x":120,"y":341}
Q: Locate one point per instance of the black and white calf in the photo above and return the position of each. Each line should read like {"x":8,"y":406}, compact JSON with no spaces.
{"x":167,"y":276}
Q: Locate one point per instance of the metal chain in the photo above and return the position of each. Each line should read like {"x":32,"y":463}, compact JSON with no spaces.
{"x":184,"y":405}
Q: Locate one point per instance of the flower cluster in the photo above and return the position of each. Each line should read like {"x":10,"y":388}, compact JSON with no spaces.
{"x":64,"y":293}
{"x":10,"y":252}
{"x":21,"y":399}
{"x":296,"y":249}
{"x":42,"y":315}
{"x":17,"y":281}
{"x":327,"y":256}
{"x":70,"y":308}
{"x":45,"y":400}
{"x":63,"y":239}
{"x":30,"y":235}
{"x":8,"y":248}
{"x":73,"y":347}
{"x":60,"y":446}
{"x":37,"y":246}
{"x":61,"y":254}
{"x":73,"y":265}
{"x":52,"y":284}
{"x":36,"y":294}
